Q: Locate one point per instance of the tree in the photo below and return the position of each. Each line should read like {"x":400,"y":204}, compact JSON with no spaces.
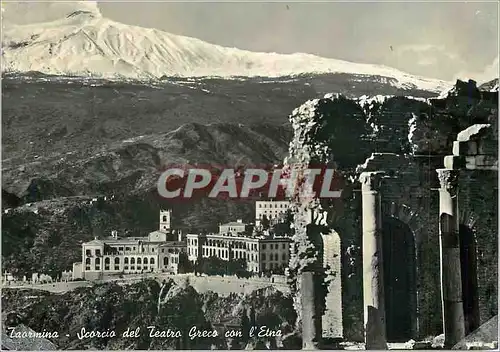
{"x":212,"y":266}
{"x":185,"y":265}
{"x":253,"y":317}
{"x":235,"y":266}
{"x":283,"y":228}
{"x":245,"y":327}
{"x":265,"y":222}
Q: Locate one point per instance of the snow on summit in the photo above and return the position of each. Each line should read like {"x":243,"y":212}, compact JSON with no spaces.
{"x":85,"y":43}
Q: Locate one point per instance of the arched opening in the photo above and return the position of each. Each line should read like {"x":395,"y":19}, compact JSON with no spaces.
{"x":399,"y":265}
{"x":468,"y":263}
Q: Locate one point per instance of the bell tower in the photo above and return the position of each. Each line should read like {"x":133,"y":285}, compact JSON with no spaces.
{"x":165,"y":220}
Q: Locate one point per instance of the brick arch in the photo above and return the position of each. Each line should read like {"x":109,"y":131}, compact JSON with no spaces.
{"x":409,"y":218}
{"x":468,"y":218}
{"x":468,"y":261}
{"x":406,"y":215}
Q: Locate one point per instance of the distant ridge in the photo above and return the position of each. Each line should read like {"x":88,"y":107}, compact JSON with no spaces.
{"x":84,"y":43}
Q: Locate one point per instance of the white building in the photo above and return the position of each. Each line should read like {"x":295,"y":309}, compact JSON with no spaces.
{"x":262,"y":253}
{"x":159,"y":251}
{"x":77,"y":271}
{"x":234,"y":227}
{"x":274,"y":211}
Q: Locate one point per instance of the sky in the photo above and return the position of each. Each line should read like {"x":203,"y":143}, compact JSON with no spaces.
{"x":445,"y":40}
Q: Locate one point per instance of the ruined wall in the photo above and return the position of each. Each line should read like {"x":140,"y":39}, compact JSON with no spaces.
{"x":408,"y":139}
{"x":321,"y":133}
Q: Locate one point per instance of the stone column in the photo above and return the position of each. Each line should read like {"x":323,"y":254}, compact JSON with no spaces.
{"x":311,"y":320}
{"x":373,"y":283}
{"x":451,"y":280}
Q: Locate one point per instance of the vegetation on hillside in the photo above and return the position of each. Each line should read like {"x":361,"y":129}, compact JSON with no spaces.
{"x":111,"y":307}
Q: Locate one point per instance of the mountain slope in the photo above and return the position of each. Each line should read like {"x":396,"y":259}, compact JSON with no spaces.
{"x":85,"y":43}
{"x":490,"y":86}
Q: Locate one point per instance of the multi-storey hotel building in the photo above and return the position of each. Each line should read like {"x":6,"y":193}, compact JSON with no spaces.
{"x":262,"y":253}
{"x":159,"y":251}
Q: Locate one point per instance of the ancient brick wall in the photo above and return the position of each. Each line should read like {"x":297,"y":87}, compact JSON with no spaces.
{"x":409,"y":139}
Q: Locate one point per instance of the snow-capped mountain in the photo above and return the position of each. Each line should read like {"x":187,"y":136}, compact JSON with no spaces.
{"x":85,"y":43}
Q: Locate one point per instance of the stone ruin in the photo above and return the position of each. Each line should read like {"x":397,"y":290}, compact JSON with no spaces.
{"x":400,"y":212}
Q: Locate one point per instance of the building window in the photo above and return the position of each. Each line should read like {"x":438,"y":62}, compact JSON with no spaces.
{"x":97,"y":261}
{"x":134,"y":249}
{"x":120,"y":249}
{"x":138,"y":261}
{"x":165,"y":261}
{"x":163,"y":250}
{"x":117,"y":260}
{"x":98,"y":252}
{"x":264,"y":246}
{"x":117,"y":268}
{"x":132,"y":267}
{"x":145,"y":261}
{"x":276,"y":256}
{"x":125,"y":261}
{"x":127,"y":248}
{"x":152,"y":250}
{"x":152,"y":261}
{"x":283,"y":256}
{"x":284,"y":245}
{"x":88,"y":252}
{"x":263,"y":256}
{"x":132,"y":260}
{"x":97,"y":267}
